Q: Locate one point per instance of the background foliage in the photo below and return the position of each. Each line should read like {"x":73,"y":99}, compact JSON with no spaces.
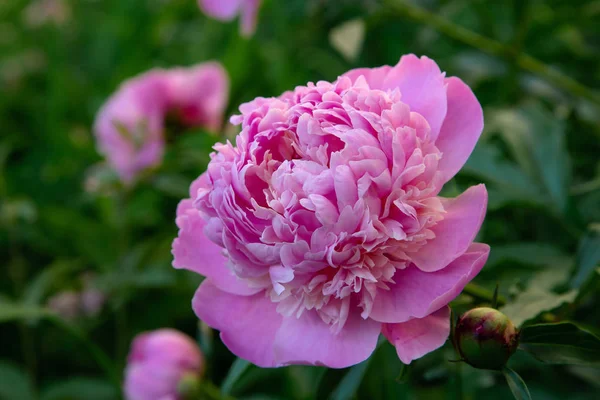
{"x":534,"y":65}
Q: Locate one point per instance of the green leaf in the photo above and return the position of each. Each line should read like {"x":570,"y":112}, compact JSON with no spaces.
{"x":535,"y":301}
{"x":78,"y":388}
{"x":348,"y":386}
{"x":516,"y":384}
{"x":175,"y":185}
{"x":237,"y":369}
{"x":39,"y":287}
{"x":539,"y":297}
{"x":11,"y":312}
{"x":537,"y":141}
{"x":561,"y":343}
{"x":304,"y":380}
{"x":509,"y":181}
{"x":404,"y":372}
{"x":14,"y":383}
{"x":537,"y":254}
{"x":588,"y":257}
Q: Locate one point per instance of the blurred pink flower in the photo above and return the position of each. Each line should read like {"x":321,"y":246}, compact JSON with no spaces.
{"x":72,"y":304}
{"x":157,"y":363}
{"x":66,"y":304}
{"x":324,"y":222}
{"x":199,"y":95}
{"x":40,"y":12}
{"x":226,"y":10}
{"x":92,"y":298}
{"x":129,"y":127}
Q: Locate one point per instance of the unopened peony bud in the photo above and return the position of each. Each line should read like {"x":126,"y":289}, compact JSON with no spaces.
{"x":485,"y":338}
{"x":163,"y":364}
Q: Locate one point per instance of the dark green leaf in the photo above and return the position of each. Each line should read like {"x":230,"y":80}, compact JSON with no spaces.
{"x":348,"y":386}
{"x":12,"y":312}
{"x":537,"y":254}
{"x":539,"y":296}
{"x":515,"y":186}
{"x":14,"y":383}
{"x":45,"y":281}
{"x":537,"y":141}
{"x":516,"y":384}
{"x":237,"y":369}
{"x":561,"y":343}
{"x":80,"y":388}
{"x":588,"y":257}
{"x":174,"y":185}
{"x":403,"y":375}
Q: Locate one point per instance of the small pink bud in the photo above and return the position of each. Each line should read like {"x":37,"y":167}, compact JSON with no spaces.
{"x":162,"y":364}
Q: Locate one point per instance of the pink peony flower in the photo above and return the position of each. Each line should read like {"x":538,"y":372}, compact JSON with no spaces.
{"x":324,"y":220}
{"x":226,"y":10}
{"x":129,"y":127}
{"x":158,"y":362}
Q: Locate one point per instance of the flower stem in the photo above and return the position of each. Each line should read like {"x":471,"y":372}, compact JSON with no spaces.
{"x":211,"y":392}
{"x":484,"y":294}
{"x":493,"y":47}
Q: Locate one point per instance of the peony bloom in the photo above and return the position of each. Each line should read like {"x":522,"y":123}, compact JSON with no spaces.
{"x":226,"y":10}
{"x":129,"y":127}
{"x":158,"y":363}
{"x":324,"y":220}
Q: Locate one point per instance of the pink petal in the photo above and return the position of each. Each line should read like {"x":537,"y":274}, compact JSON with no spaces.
{"x":199,"y":94}
{"x":192,"y":250}
{"x":308,"y":340}
{"x":248,"y":324}
{"x":423,"y":88}
{"x":453,"y":235}
{"x":224,"y":10}
{"x":461,"y":129}
{"x":249,"y":13}
{"x":374,"y":76}
{"x":417,"y":337}
{"x":417,"y":294}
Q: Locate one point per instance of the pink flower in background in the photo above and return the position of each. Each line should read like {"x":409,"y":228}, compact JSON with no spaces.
{"x":72,"y":304}
{"x":226,"y":10}
{"x":322,"y":227}
{"x":198,"y":95}
{"x":66,"y":304}
{"x":158,"y":362}
{"x":129,"y":127}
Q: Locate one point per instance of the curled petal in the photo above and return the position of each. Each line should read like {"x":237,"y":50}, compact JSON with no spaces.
{"x":461,"y":129}
{"x":194,"y":251}
{"x":248,"y":324}
{"x":417,"y":294}
{"x":453,"y":235}
{"x":419,"y":336}
{"x":308,"y":340}
{"x":422,"y":86}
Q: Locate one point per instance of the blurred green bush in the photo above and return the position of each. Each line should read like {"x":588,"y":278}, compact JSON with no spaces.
{"x":63,"y":223}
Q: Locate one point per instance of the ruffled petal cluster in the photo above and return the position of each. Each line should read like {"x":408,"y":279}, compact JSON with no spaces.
{"x":130,"y":126}
{"x":322,"y":226}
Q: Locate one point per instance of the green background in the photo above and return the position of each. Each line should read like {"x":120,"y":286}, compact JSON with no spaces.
{"x":534,"y":65}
